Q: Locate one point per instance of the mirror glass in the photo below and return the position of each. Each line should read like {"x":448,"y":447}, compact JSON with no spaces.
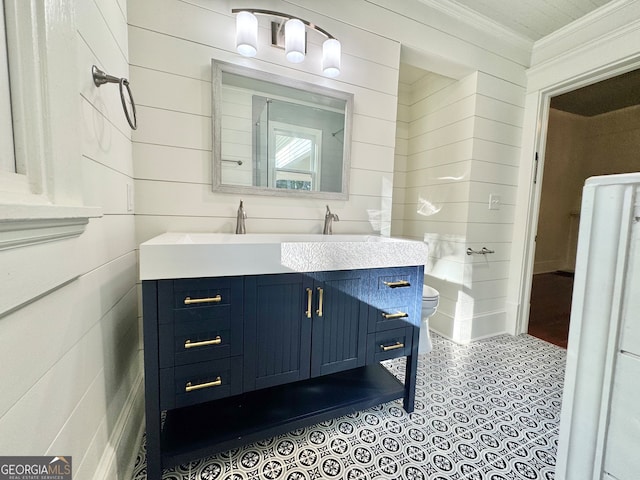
{"x":273,"y":135}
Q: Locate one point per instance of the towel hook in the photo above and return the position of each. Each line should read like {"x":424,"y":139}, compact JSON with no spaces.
{"x":100,"y":78}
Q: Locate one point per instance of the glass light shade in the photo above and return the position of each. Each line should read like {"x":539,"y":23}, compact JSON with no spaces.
{"x":294,"y":40}
{"x":246,"y":34}
{"x":331,"y":49}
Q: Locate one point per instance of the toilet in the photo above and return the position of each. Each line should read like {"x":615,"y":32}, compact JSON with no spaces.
{"x":430,"y":297}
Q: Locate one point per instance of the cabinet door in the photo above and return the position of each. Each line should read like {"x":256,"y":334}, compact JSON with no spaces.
{"x":339,"y":321}
{"x":277,"y":331}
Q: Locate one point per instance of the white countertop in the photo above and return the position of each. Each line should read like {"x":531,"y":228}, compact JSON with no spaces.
{"x":193,"y":255}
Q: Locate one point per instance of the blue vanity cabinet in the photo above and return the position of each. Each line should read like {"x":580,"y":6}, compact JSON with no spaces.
{"x":277,"y":340}
{"x":233,"y":360}
{"x":299,"y":326}
{"x":340,"y":314}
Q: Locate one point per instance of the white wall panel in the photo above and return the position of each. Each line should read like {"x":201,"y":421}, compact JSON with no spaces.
{"x":172,"y":164}
{"x":73,"y":315}
{"x":116,"y":20}
{"x":105,"y":187}
{"x":494,"y":173}
{"x":366,"y":156}
{"x":429,"y":122}
{"x":496,"y":152}
{"x":73,"y":374}
{"x":171,"y":92}
{"x":447,"y":135}
{"x":97,"y":33}
{"x":498,"y":110}
{"x":501,"y":89}
{"x":85,"y":330}
{"x":103,"y":142}
{"x":109,"y":390}
{"x":497,"y":131}
{"x":174,"y":129}
{"x":373,"y":130}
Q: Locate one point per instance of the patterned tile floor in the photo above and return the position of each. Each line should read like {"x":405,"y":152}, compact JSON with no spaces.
{"x":485,"y":411}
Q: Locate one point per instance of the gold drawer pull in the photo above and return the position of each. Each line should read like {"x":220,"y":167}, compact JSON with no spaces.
{"x":190,"y":388}
{"x":191,"y":301}
{"x":386,"y":348}
{"x":390,"y":316}
{"x":204,"y":343}
{"x":320,"y":301}
{"x":309,"y":295}
{"x":399,"y":283}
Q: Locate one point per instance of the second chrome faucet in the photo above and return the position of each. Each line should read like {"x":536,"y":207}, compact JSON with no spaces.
{"x":241,"y":217}
{"x":329,"y":218}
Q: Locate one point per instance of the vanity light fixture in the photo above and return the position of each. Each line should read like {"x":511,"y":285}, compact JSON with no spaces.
{"x":247,"y":34}
{"x":291,"y":36}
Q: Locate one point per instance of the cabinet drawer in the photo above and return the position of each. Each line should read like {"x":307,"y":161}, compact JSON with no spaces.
{"x":198,"y":335}
{"x":183,"y":300}
{"x":389,"y":317}
{"x":389,"y":344}
{"x":198,"y":292}
{"x":394,"y":286}
{"x":200,"y":382}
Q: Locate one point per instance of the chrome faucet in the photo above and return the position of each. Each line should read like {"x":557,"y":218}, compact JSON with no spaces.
{"x":242,"y":215}
{"x":328,"y":222}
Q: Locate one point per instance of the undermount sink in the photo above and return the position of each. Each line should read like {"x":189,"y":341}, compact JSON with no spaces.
{"x":193,"y":255}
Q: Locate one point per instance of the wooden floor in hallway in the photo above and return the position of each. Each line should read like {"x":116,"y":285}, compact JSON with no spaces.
{"x":551,"y":307}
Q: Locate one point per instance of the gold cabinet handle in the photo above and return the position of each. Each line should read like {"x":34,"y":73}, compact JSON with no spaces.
{"x":309,"y":295}
{"x":190,"y":388}
{"x":191,"y":301}
{"x":320,"y":301}
{"x":399,"y":283}
{"x":204,"y":343}
{"x":389,"y":316}
{"x":386,"y":348}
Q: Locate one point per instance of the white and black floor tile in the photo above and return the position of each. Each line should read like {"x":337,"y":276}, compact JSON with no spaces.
{"x":485,"y":411}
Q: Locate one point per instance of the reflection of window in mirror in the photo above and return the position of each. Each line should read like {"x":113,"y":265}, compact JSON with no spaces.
{"x":294,"y":155}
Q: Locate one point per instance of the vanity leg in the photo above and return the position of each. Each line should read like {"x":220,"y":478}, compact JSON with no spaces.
{"x":151,"y":380}
{"x":410,"y":374}
{"x":154,"y":460}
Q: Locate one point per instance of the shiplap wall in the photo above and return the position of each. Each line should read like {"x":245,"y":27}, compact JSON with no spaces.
{"x":460,"y":142}
{"x":70,"y":357}
{"x":171,"y":67}
{"x":170,"y":61}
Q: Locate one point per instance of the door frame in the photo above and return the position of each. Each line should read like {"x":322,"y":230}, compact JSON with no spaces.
{"x":535,"y":129}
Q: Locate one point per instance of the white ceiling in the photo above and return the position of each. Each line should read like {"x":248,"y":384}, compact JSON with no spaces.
{"x":532,"y":19}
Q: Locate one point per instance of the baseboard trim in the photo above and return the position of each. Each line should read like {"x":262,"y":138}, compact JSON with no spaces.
{"x":125,"y":438}
{"x":485,"y":325}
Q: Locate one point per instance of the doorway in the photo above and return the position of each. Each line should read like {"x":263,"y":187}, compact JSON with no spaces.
{"x":594,"y":130}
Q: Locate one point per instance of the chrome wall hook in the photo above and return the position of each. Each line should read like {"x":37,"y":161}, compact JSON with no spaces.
{"x":100,"y":78}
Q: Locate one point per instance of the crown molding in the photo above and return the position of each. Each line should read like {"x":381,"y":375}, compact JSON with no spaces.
{"x":581,"y":23}
{"x":480,"y":22}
